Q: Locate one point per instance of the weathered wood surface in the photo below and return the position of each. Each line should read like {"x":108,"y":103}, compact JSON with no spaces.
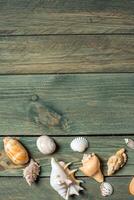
{"x":89,"y":104}
{"x":16,"y":189}
{"x":70,"y":17}
{"x":104,"y":147}
{"x":66,"y":54}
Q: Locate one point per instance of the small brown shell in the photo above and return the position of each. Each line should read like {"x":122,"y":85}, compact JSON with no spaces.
{"x":131,"y":186}
{"x":31,"y":172}
{"x":15,"y":151}
{"x":116,"y":161}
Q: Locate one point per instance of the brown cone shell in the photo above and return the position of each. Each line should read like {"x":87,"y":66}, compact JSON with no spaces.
{"x":15,"y":151}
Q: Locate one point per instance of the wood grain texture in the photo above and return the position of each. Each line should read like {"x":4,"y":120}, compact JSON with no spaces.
{"x":90,"y":104}
{"x":104,"y":147}
{"x":66,"y":54}
{"x":16,"y":189}
{"x":78,"y":16}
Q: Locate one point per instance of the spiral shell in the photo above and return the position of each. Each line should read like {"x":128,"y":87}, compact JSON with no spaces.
{"x":91,"y":167}
{"x":63,"y":181}
{"x":116,"y":161}
{"x":31,"y":172}
{"x":15,"y":151}
{"x":106,"y":189}
{"x":46,"y":145}
{"x":79,"y":144}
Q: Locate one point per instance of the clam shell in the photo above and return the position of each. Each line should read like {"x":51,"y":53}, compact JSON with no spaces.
{"x":79,"y":144}
{"x":106,"y":189}
{"x":46,"y":145}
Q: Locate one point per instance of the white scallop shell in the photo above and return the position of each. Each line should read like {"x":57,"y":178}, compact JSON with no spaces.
{"x":106,"y":189}
{"x":46,"y":145}
{"x":79,"y":144}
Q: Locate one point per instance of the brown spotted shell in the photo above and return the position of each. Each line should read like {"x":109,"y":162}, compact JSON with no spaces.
{"x":15,"y":151}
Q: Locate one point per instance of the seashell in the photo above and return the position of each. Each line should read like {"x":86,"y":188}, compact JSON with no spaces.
{"x":70,"y":173}
{"x":31,"y":172}
{"x":106,"y":189}
{"x":15,"y":151}
{"x":46,"y":145}
{"x":130,"y":143}
{"x":91,"y":167}
{"x":131,"y":187}
{"x":63,"y":181}
{"x":117,"y":161}
{"x":79,"y":144}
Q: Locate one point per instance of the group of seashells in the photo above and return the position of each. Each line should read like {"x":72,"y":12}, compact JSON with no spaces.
{"x":62,"y":179}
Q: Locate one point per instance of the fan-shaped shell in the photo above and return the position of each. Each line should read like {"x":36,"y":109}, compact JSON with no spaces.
{"x":79,"y":144}
{"x":46,"y":145}
{"x":15,"y":151}
{"x":106,"y":189}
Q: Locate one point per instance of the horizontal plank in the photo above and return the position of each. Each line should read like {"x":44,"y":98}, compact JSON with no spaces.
{"x":67,"y":104}
{"x":16,"y":189}
{"x":66,"y":54}
{"x":104,"y":147}
{"x":52,"y":17}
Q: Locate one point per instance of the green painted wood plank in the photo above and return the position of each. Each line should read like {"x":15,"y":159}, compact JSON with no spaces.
{"x":51,"y":17}
{"x":89,"y":103}
{"x":104,"y":147}
{"x":66,"y":54}
{"x":16,"y":189}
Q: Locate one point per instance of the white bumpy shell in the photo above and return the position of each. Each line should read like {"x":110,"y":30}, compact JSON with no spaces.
{"x":31,"y":172}
{"x":106,"y":189}
{"x":46,"y":145}
{"x":130,"y":143}
{"x":79,"y":144}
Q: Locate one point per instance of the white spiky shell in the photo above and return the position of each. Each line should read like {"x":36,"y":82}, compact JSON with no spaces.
{"x":46,"y":145}
{"x":106,"y":189}
{"x":79,"y":144}
{"x":61,"y":182}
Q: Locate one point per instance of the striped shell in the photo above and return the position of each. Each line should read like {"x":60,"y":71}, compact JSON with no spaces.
{"x":15,"y":151}
{"x":106,"y":189}
{"x":79,"y":144}
{"x":46,"y":145}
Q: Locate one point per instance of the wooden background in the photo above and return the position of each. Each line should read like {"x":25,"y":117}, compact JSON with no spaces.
{"x":77,"y":58}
